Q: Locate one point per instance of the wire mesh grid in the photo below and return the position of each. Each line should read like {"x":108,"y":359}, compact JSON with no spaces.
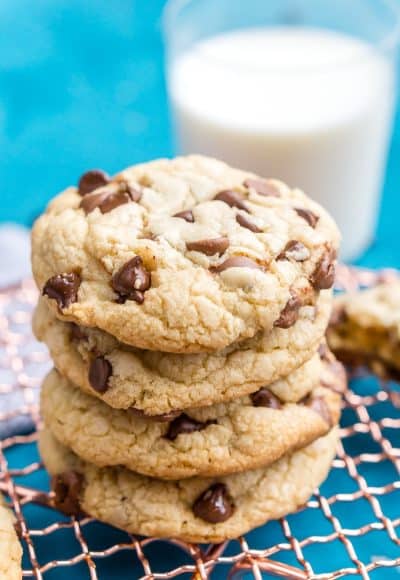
{"x":349,"y":528}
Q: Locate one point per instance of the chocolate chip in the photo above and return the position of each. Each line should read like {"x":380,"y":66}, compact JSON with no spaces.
{"x":209,"y":247}
{"x":264,"y":398}
{"x":290,"y":313}
{"x":139,"y":298}
{"x":131,"y":281}
{"x":184,"y":425}
{"x":262,"y":187}
{"x":186,"y":215}
{"x":114,"y":200}
{"x":232,"y":198}
{"x":63,"y":288}
{"x":76,"y":332}
{"x":310,"y":217}
{"x":100,"y":371}
{"x":296,"y":251}
{"x":323,"y":276}
{"x":248,"y":224}
{"x":214,"y":505}
{"x":105,"y":201}
{"x":108,"y":200}
{"x":319,"y":405}
{"x":236,"y":262}
{"x":90,"y":202}
{"x":164,"y":418}
{"x":91,"y":180}
{"x":67,"y":487}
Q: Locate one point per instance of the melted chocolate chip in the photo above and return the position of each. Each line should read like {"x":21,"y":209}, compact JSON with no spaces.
{"x":186,"y":215}
{"x":290,"y":313}
{"x":209,"y":247}
{"x":100,"y":370}
{"x":91,"y":180}
{"x":236,"y":262}
{"x":307,"y":215}
{"x":105,"y":201}
{"x":232,"y":198}
{"x":63,"y":288}
{"x":90,"y":202}
{"x":76,"y":332}
{"x":214,"y":505}
{"x":262,"y":187}
{"x":184,"y":425}
{"x":319,"y":405}
{"x":66,"y":488}
{"x":131,"y":281}
{"x":296,"y":251}
{"x":264,"y":398}
{"x":122,"y":299}
{"x":164,"y":418}
{"x":248,"y":224}
{"x":323,"y":276}
{"x":114,"y":200}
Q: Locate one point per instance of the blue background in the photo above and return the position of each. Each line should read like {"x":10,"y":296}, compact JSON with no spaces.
{"x":81,"y":86}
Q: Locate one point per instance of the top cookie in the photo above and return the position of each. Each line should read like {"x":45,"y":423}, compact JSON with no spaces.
{"x":183,"y":255}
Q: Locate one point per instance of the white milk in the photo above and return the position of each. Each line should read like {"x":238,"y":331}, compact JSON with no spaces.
{"x":309,"y":106}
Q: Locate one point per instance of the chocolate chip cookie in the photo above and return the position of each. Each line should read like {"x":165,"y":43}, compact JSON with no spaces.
{"x":185,"y":255}
{"x":10,"y":547}
{"x":247,"y":433}
{"x":158,"y":383}
{"x":195,"y":509}
{"x":365,"y":329}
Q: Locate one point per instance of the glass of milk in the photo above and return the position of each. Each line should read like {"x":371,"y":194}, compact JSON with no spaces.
{"x":301,"y":90}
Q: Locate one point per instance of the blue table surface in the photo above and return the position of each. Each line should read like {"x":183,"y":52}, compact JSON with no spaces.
{"x":82,"y":85}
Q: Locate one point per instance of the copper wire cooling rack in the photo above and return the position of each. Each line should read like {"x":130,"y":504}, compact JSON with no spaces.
{"x":349,"y":528}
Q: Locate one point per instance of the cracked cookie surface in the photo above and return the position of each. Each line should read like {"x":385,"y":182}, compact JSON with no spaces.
{"x":365,"y":329}
{"x":244,"y":434}
{"x":10,"y":547}
{"x":158,"y":383}
{"x":195,"y":509}
{"x":183,"y":255}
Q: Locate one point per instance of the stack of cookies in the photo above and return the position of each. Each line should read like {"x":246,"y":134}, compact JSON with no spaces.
{"x":184,"y":304}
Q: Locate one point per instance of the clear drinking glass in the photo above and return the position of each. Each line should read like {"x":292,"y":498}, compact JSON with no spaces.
{"x":301,"y":90}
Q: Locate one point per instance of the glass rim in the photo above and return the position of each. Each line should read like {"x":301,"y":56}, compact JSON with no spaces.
{"x":388,"y":41}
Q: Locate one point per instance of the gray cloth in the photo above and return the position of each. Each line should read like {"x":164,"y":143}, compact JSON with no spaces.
{"x":14,"y":267}
{"x":14,"y":254}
